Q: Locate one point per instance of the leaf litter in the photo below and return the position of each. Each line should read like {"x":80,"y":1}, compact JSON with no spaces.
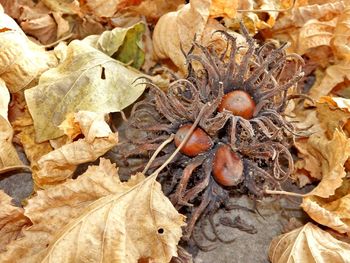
{"x":66,"y":69}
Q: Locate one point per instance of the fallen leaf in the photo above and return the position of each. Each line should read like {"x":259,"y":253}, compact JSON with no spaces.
{"x":12,"y":220}
{"x":177,"y":29}
{"x":87,"y":79}
{"x":300,"y":15}
{"x":308,"y":244}
{"x":332,"y":154}
{"x":252,"y":20}
{"x":22,"y":61}
{"x":100,"y":219}
{"x":334,"y":214}
{"x":60,"y":164}
{"x":223,"y":8}
{"x":8,"y":154}
{"x":123,"y":44}
{"x":26,"y":135}
{"x":63,"y":6}
{"x":154,"y":9}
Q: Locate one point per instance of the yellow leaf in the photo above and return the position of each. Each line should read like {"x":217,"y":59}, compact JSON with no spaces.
{"x":332,"y":154}
{"x":308,"y":244}
{"x":176,"y":29}
{"x":334,"y":75}
{"x":60,"y":164}
{"x":87,"y":79}
{"x":26,"y":135}
{"x":12,"y":220}
{"x":8,"y":154}
{"x":223,"y":8}
{"x":333,"y":212}
{"x":97,"y":218}
{"x":22,"y":61}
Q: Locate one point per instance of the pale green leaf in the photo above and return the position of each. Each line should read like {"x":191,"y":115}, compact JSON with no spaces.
{"x":87,"y":79}
{"x":123,"y":44}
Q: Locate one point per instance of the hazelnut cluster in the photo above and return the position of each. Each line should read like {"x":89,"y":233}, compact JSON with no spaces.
{"x":241,"y":144}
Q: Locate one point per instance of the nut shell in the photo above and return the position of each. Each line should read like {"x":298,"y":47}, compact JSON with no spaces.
{"x":198,"y":142}
{"x":239,"y":102}
{"x":227,"y":167}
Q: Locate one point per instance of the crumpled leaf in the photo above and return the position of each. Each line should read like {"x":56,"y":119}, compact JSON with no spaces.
{"x":332,"y":155}
{"x":300,"y":15}
{"x":176,"y":29}
{"x":22,"y":61}
{"x":8,"y":154}
{"x":100,"y":219}
{"x":308,"y":244}
{"x":63,"y":6}
{"x":252,"y":20}
{"x":153,"y":9}
{"x":25,"y":135}
{"x":338,"y":72}
{"x":87,"y":79}
{"x":123,"y":44}
{"x":333,"y":212}
{"x":12,"y":220}
{"x":223,"y":8}
{"x":60,"y":164}
{"x":331,"y":114}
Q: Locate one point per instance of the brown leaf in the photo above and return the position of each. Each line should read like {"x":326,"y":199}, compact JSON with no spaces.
{"x":329,"y":212}
{"x":8,"y":154}
{"x":332,"y":154}
{"x":223,"y":8}
{"x":308,"y":244}
{"x":22,"y":60}
{"x":60,"y":164}
{"x":100,"y":219}
{"x":177,"y":29}
{"x":12,"y":221}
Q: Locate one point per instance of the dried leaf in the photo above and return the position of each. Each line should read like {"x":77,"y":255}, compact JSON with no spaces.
{"x":12,"y":220}
{"x":60,"y":164}
{"x":154,"y":9}
{"x":97,"y":218}
{"x":87,"y":79}
{"x":315,"y":33}
{"x":8,"y":154}
{"x":332,"y":154}
{"x":223,"y":8}
{"x":299,"y":16}
{"x":331,"y":213}
{"x":123,"y":44}
{"x":22,"y":61}
{"x":177,"y":29}
{"x":254,"y":21}
{"x":334,"y":75}
{"x":308,"y":244}
{"x":63,"y":6}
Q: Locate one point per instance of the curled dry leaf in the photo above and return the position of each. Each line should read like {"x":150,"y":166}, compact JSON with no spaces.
{"x":100,"y":219}
{"x":87,"y":79}
{"x":22,"y":61}
{"x":300,"y":15}
{"x":8,"y":154}
{"x":123,"y":44}
{"x":339,"y":71}
{"x":25,"y":135}
{"x":223,"y":8}
{"x":332,"y":155}
{"x":12,"y":220}
{"x":255,"y":21}
{"x":331,"y":213}
{"x":319,"y":153}
{"x":60,"y":164}
{"x":308,"y":244}
{"x":176,"y":30}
